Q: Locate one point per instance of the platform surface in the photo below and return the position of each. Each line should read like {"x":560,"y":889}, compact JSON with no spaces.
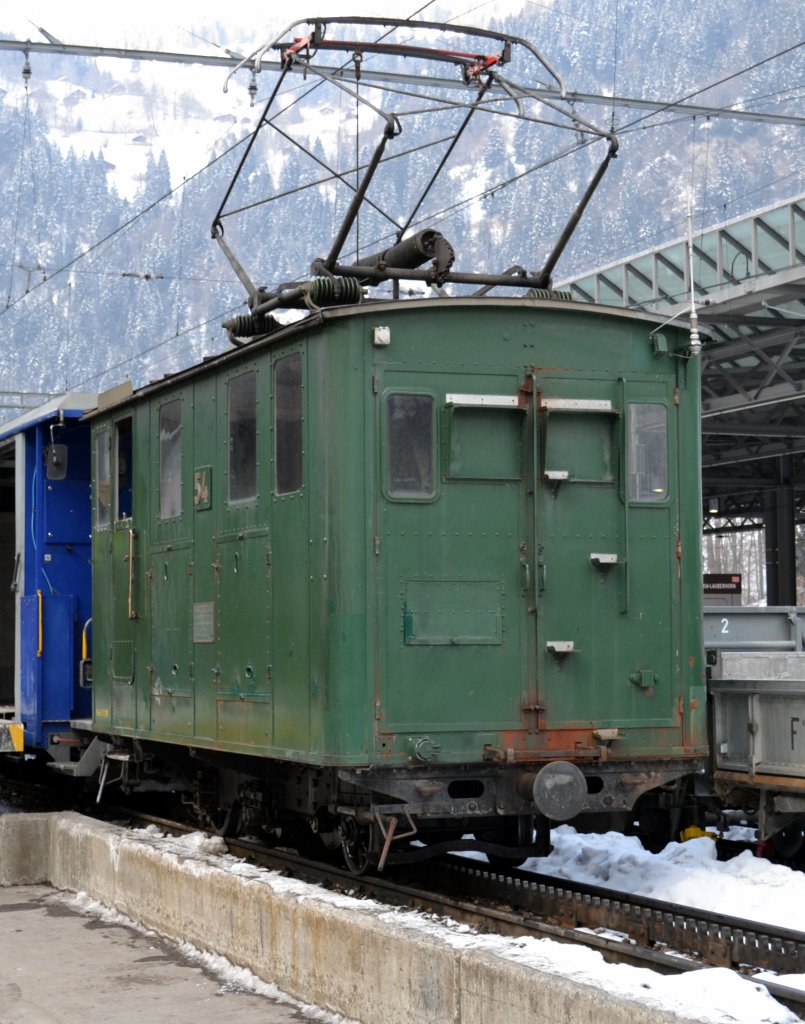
{"x":59,"y":966}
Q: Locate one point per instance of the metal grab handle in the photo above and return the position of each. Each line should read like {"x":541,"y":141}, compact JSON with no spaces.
{"x":41,"y":628}
{"x":132,"y":613}
{"x":84,"y":644}
{"x":15,"y":579}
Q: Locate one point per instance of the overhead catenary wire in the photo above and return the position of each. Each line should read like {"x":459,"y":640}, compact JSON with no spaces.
{"x":721,"y":81}
{"x":216,"y":318}
{"x":122,"y":227}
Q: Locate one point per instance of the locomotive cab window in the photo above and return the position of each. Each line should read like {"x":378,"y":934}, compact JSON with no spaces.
{"x":411,"y":436}
{"x":170,"y":459}
{"x":243,"y":437}
{"x":103,"y":480}
{"x":288,"y":424}
{"x":648,"y":452}
{"x":123,"y":457}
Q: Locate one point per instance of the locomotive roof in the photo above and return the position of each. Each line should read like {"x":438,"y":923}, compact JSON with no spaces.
{"x":120,"y":396}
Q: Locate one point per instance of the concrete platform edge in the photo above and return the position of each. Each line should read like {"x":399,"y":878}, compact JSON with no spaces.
{"x":346,"y":960}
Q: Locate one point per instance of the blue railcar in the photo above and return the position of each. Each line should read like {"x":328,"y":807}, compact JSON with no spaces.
{"x":45,"y":613}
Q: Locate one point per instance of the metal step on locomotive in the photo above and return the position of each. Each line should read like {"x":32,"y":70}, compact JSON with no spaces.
{"x":415,"y":564}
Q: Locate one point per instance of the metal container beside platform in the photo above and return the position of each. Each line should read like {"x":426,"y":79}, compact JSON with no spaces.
{"x":759,"y":713}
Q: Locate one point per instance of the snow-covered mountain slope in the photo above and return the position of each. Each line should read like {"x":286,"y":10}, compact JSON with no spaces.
{"x":108,"y":194}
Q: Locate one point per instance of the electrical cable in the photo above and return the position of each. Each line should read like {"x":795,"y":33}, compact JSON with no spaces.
{"x":720,"y":81}
{"x":125,"y":225}
{"x":166,"y":341}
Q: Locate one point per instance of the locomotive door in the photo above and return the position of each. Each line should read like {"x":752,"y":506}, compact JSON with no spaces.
{"x":453,"y":648}
{"x":606,"y":534}
{"x":289,"y":557}
{"x":115,"y":510}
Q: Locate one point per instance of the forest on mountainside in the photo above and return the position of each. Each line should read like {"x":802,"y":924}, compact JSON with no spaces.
{"x":100,"y":282}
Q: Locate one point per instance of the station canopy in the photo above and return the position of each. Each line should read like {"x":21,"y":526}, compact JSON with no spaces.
{"x":749,"y":286}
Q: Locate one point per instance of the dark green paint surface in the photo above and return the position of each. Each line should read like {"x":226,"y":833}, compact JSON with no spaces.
{"x":521,"y":604}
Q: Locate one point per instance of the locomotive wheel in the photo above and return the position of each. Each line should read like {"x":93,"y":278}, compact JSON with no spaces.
{"x":355,"y":845}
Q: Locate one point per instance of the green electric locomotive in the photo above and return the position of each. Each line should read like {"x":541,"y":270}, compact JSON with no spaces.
{"x":407,"y":573}
{"x":433,"y":563}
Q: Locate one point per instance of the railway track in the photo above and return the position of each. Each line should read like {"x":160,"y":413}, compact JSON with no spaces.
{"x":629,"y":929}
{"x":624,"y":928}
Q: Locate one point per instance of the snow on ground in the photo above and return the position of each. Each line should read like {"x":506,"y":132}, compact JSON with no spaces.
{"x":684,"y":873}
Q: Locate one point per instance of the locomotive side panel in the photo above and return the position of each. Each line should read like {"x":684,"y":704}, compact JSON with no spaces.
{"x":454,"y":656}
{"x":163,"y":546}
{"x":231,"y":595}
{"x":117,"y":570}
{"x":240,"y":512}
{"x":608,"y":591}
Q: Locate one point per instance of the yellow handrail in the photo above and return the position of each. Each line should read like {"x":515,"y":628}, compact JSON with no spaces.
{"x":41,"y":630}
{"x":84,"y":644}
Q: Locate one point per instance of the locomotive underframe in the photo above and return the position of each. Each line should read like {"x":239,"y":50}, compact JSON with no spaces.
{"x":379,"y":809}
{"x":467,"y":791}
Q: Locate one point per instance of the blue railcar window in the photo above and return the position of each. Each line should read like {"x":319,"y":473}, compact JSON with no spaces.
{"x":411,"y":459}
{"x":103,"y":480}
{"x":170,"y":459}
{"x":288,"y":424}
{"x":243,"y":437}
{"x":648,"y":452}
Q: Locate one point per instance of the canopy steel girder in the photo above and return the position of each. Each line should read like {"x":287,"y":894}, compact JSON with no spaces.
{"x":749,"y":286}
{"x":231,"y":60}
